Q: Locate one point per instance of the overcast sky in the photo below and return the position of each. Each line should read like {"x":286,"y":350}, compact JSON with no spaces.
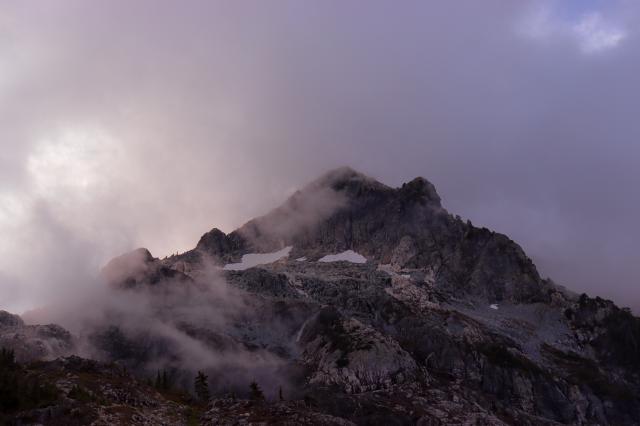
{"x":146,"y":123}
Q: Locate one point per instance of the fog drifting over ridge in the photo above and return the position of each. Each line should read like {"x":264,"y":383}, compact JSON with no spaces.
{"x":147,"y":124}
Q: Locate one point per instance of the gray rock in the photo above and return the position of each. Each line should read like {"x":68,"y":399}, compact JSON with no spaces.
{"x":445,"y":323}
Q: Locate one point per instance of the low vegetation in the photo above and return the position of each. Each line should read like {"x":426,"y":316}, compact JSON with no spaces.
{"x":20,"y":389}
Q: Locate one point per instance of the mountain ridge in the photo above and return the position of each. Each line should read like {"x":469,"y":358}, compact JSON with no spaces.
{"x":445,"y":323}
{"x":387,"y":225}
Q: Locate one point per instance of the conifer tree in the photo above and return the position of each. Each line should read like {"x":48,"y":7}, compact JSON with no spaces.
{"x":202,"y":387}
{"x":158,"y":382}
{"x":165,"y":380}
{"x":256,"y":392}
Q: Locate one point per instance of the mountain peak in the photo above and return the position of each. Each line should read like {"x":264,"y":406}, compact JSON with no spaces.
{"x":343,"y":172}
{"x":121,"y":268}
{"x":353,"y":183}
{"x":422,"y":190}
{"x":348,"y":180}
{"x":370,"y":289}
{"x":343,"y":209}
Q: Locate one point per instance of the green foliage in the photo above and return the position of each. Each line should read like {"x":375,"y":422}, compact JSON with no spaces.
{"x":202,"y":387}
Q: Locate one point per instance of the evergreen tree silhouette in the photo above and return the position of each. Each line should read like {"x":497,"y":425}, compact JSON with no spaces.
{"x":202,"y":387}
{"x":165,"y":380}
{"x":256,"y":392}
{"x":158,"y":382}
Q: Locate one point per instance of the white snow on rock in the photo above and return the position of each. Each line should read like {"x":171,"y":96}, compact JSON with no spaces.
{"x":347,"y":256}
{"x":254,"y":259}
{"x":494,"y":306}
{"x":301,"y":259}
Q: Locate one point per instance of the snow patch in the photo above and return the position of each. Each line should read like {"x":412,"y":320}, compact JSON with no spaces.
{"x":302,"y":259}
{"x":254,"y":259}
{"x":494,"y":306}
{"x":347,"y":256}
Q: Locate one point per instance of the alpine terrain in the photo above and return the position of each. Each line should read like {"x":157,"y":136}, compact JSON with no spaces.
{"x":353,"y":303}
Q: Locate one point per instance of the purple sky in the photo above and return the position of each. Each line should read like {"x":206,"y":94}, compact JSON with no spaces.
{"x":126,"y":124}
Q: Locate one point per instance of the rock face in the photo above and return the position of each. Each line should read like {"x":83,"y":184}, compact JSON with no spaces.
{"x":33,"y":342}
{"x":406,"y":227}
{"x":139,"y":267}
{"x":77,"y":391}
{"x":352,"y":355}
{"x":231,"y":411}
{"x":445,"y":324}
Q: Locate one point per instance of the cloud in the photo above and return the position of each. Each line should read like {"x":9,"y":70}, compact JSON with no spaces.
{"x":151,"y":319}
{"x":121,"y":129}
{"x":595,"y":34}
{"x":589,"y":31}
{"x":301,"y":213}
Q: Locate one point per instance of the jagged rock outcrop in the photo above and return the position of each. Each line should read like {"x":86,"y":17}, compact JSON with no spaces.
{"x":352,"y":355}
{"x":462,"y":301}
{"x":406,"y":227}
{"x":33,"y":342}
{"x":137,"y":267}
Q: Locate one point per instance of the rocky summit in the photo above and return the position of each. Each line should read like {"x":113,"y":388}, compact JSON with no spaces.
{"x":353,"y":303}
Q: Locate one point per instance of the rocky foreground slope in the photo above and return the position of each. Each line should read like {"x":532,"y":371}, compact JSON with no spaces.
{"x":427,"y":320}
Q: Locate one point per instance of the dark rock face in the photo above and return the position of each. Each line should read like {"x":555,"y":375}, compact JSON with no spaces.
{"x":445,"y":324}
{"x":219,"y":246}
{"x":10,"y":320}
{"x":613,"y":332}
{"x":407,"y":226}
{"x":33,"y":342}
{"x":139,"y":267}
{"x":259,"y":281}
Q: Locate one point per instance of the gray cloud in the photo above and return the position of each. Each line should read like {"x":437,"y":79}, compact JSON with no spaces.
{"x":147,"y":124}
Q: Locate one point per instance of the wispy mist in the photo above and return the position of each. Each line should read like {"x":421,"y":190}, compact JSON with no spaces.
{"x":150,"y":321}
{"x":147,"y":124}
